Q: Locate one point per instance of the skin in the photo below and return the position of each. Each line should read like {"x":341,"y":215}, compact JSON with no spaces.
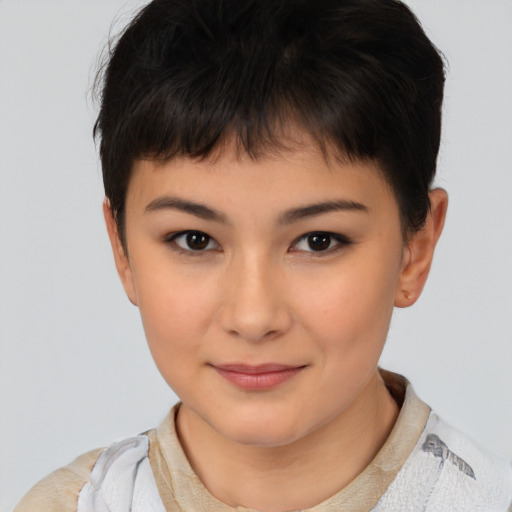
{"x":259,"y":294}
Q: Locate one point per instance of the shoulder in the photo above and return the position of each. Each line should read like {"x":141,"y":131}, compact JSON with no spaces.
{"x":59,"y":490}
{"x":448,"y":471}
{"x":468,"y":473}
{"x":116,"y":478}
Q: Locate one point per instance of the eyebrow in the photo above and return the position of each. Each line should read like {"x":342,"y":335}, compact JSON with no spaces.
{"x":288,"y":217}
{"x":313,"y":210}
{"x":199,"y":210}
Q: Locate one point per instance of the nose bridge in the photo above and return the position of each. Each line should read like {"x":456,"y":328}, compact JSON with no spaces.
{"x":254,"y":307}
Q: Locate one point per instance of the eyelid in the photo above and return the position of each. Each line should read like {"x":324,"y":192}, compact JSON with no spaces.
{"x":171,"y":238}
{"x":342,"y":241}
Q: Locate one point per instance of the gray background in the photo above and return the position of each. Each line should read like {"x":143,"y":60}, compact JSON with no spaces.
{"x":75,"y":372}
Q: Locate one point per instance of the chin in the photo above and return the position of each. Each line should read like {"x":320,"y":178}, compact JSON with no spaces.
{"x":262,"y":432}
{"x":264,"y":439}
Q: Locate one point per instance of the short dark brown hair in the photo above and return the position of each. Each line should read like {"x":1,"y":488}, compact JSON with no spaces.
{"x":359,"y":76}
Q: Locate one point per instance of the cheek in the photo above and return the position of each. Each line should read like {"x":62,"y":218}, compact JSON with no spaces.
{"x":349,"y":309}
{"x":175,"y":308}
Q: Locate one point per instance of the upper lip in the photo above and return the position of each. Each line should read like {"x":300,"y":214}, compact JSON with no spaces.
{"x":256,"y":369}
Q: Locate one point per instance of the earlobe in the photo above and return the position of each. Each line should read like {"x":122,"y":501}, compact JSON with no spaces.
{"x":419,"y":252}
{"x":120,"y":257}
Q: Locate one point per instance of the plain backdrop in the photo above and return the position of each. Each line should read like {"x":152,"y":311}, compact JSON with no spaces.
{"x":75,"y":372}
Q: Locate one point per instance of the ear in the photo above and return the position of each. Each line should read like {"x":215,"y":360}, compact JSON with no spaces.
{"x":120,"y":257}
{"x":420,"y":250}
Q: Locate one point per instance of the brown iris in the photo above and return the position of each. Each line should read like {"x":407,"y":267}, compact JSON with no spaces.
{"x":197,"y":240}
{"x":319,"y":241}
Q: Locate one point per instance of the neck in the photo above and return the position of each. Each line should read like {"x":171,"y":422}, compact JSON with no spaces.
{"x":297,"y":475}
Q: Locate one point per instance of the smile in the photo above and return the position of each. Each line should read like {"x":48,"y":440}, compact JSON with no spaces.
{"x":259,"y":377}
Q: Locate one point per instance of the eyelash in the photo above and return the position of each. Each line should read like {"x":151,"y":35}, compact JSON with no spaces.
{"x":340,"y":240}
{"x":171,"y":240}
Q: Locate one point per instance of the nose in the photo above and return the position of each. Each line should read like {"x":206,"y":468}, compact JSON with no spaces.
{"x":254,"y":306}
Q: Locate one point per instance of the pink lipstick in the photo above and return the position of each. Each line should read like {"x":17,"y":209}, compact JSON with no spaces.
{"x":259,"y":377}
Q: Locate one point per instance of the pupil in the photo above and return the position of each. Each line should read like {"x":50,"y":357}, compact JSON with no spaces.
{"x":197,"y":240}
{"x":319,"y":241}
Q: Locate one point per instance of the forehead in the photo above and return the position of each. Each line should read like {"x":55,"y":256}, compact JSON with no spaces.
{"x":295,"y":174}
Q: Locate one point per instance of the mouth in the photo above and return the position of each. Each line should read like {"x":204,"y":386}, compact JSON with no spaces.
{"x":259,"y":377}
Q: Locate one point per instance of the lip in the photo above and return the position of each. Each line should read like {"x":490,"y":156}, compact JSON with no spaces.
{"x":258,"y":377}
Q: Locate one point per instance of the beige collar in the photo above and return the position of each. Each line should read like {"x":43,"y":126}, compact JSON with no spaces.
{"x":361,"y":495}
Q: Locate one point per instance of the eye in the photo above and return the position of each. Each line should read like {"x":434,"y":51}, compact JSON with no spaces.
{"x":321,"y":241}
{"x":193,"y":241}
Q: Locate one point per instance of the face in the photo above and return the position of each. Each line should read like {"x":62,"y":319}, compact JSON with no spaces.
{"x":265,"y":287}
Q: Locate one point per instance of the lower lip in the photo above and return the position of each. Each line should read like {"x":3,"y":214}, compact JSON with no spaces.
{"x":259,"y":381}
